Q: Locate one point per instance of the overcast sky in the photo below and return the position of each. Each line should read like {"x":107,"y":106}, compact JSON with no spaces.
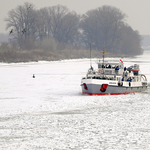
{"x":138,"y":11}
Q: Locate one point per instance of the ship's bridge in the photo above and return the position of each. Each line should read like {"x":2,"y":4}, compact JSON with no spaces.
{"x":110,"y":68}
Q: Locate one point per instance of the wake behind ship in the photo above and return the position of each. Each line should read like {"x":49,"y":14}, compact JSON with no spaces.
{"x":113,"y":79}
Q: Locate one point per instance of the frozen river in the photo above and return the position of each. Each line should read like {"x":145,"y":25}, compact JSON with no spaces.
{"x":49,"y":112}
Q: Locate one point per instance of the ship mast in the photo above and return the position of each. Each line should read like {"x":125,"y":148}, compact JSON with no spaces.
{"x":103,"y":53}
{"x":90,"y":56}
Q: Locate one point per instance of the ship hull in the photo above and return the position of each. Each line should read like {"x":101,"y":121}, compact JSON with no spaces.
{"x":94,"y":88}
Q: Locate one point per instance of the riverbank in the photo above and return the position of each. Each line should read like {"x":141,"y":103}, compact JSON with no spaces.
{"x":41,"y":55}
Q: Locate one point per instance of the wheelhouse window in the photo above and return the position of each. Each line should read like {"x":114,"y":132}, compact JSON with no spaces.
{"x":99,"y":66}
{"x":108,"y":66}
{"x":113,"y":66}
{"x":136,"y":73}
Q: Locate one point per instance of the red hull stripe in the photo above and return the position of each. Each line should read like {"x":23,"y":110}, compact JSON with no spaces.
{"x":110,"y":93}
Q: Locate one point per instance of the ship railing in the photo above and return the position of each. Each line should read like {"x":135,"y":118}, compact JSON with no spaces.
{"x":101,"y":77}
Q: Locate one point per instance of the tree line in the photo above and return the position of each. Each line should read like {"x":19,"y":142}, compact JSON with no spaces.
{"x":57,"y":27}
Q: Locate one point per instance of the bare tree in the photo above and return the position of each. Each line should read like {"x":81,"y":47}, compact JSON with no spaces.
{"x":69,"y":28}
{"x":58,"y":13}
{"x":44,"y":23}
{"x":106,"y":26}
{"x":130,"y":41}
{"x":59,"y":23}
{"x":101,"y":26}
{"x":23,"y":21}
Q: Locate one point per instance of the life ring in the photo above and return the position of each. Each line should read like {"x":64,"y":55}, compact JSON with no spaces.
{"x":100,"y":71}
{"x":144,"y":77}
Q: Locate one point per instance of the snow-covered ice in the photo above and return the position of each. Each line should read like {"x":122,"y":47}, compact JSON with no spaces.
{"x":49,"y":111}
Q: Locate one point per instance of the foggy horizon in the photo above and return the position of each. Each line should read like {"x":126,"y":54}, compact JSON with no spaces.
{"x":137,"y":12}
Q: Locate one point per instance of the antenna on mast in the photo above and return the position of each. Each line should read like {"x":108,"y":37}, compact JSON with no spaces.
{"x":90,"y":54}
